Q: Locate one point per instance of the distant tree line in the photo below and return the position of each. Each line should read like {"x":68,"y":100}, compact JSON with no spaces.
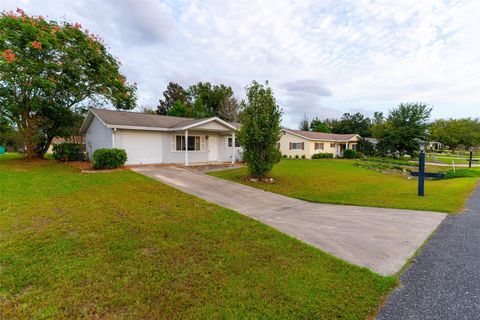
{"x":401,"y":130}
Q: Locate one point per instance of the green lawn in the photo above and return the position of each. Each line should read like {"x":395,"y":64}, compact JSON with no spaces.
{"x":341,"y":182}
{"x":120,"y":245}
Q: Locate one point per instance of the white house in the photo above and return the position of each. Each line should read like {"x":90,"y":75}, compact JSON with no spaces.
{"x":307,"y":143}
{"x":156,"y":139}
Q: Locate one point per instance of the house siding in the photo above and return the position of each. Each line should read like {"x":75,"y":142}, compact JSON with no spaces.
{"x":287,"y":138}
{"x":155,"y":147}
{"x":97,"y":136}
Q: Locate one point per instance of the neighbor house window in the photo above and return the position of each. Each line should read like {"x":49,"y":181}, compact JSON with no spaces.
{"x":192,"y":145}
{"x":318,"y":145}
{"x":296,"y":145}
{"x":332,"y":145}
{"x":230,"y":141}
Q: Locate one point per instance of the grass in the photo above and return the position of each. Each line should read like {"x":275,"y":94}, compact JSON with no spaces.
{"x":341,"y":182}
{"x":448,"y":158}
{"x":120,"y":245}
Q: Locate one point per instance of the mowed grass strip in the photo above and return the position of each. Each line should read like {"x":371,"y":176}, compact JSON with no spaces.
{"x":120,"y":245}
{"x":341,"y":182}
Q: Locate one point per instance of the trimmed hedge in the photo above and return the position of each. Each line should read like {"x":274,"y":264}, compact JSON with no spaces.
{"x":349,"y":154}
{"x":68,"y":151}
{"x":325,"y":155}
{"x":109,"y":158}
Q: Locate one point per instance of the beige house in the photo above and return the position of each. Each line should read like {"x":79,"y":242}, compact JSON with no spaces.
{"x":298,"y":143}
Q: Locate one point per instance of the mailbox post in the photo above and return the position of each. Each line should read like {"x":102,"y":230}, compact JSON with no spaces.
{"x":421,"y":170}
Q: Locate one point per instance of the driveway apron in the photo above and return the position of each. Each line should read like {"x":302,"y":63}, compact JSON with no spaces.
{"x":377,"y":238}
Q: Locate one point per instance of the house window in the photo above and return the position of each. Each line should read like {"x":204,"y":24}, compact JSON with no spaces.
{"x":296,"y":145}
{"x":332,"y":145}
{"x":229,"y":143}
{"x":193,"y":143}
{"x":318,"y":145}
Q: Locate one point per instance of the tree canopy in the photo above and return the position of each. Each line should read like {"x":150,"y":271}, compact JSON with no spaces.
{"x":319,"y":126}
{"x":199,"y":101}
{"x":352,"y":123}
{"x":50,"y":69}
{"x":454,"y":133}
{"x":260,"y":131}
{"x":405,"y":127}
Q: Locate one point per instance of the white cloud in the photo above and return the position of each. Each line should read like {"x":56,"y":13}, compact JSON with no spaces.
{"x":369,"y":54}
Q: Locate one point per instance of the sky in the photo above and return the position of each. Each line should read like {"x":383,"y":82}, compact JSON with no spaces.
{"x":321,"y":58}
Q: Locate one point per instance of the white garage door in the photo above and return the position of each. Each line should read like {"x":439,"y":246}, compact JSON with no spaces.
{"x":142,"y":147}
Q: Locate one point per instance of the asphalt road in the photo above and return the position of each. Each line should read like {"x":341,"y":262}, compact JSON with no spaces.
{"x":444,"y":280}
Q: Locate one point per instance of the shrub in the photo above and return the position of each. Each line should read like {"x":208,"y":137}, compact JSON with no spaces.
{"x":322,"y":156}
{"x":284,"y":156}
{"x":109,"y":158}
{"x":296,"y":156}
{"x":303,"y":156}
{"x":68,"y":152}
{"x":349,"y":154}
{"x":359,"y":155}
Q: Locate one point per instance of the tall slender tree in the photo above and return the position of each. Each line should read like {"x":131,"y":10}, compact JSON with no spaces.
{"x":260,"y":131}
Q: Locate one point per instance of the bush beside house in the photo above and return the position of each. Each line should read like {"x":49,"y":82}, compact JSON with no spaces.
{"x":322,"y":156}
{"x":109,"y":158}
{"x":68,"y":152}
{"x":349,"y":154}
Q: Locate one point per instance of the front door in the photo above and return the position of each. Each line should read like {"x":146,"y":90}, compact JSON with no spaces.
{"x":212,"y":148}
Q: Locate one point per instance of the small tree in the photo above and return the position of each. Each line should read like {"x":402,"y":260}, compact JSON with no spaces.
{"x":260,"y":131}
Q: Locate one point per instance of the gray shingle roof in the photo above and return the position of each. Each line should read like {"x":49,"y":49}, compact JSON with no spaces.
{"x":136,"y":119}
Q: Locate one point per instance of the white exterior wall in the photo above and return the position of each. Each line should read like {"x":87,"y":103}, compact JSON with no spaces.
{"x":225,"y":152}
{"x":97,"y":136}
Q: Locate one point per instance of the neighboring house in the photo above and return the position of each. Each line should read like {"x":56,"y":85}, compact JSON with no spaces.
{"x":298,"y":143}
{"x":155,"y":139}
{"x":434,"y":146}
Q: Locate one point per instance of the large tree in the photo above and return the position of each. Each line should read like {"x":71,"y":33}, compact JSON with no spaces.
{"x":49,"y":69}
{"x":318,"y":125}
{"x":405,"y":127}
{"x":174,"y":93}
{"x":353,"y":123}
{"x":456,"y":132}
{"x":260,"y":131}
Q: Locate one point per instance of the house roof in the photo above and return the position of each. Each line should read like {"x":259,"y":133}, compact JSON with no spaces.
{"x":310,"y":135}
{"x":143,"y":121}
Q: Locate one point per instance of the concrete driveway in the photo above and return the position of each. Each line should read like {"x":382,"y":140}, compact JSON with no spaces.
{"x":379,"y":239}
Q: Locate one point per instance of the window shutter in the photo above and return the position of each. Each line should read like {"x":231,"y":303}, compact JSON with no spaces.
{"x":173,"y":143}
{"x":289,"y":146}
{"x":202,"y":143}
{"x":303,"y":145}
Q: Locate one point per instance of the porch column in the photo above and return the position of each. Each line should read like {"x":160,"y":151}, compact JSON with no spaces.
{"x":186,"y":147}
{"x":233,"y":147}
